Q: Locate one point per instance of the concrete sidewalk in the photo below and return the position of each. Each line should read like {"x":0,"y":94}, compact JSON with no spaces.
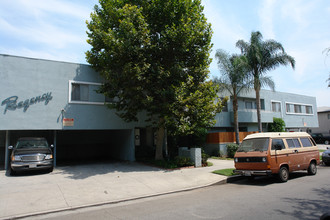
{"x":95,"y":184}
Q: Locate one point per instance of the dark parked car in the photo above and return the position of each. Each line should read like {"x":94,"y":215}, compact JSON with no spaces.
{"x":326,"y":157}
{"x":320,"y":139}
{"x":31,"y":154}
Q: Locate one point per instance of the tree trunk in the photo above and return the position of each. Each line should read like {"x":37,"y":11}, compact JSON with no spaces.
{"x":160,"y":141}
{"x":236,"y":127}
{"x":258,"y":109}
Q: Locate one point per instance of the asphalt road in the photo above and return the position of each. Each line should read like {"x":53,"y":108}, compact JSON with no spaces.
{"x":302,"y":197}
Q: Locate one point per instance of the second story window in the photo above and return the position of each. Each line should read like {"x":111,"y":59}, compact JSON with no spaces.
{"x":309,"y":109}
{"x":299,"y":109}
{"x":251,"y":104}
{"x":276,"y":106}
{"x":85,"y":93}
{"x":79,"y":92}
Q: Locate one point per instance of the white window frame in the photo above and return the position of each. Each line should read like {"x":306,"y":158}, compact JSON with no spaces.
{"x":83,"y":102}
{"x":271,"y":105}
{"x":302,"y":106}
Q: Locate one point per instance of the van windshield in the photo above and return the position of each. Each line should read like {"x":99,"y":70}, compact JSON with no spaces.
{"x":257,"y":144}
{"x":32,"y":144}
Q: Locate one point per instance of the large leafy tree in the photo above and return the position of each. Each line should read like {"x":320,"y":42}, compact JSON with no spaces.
{"x":262,"y":57}
{"x":234,"y":79}
{"x":154,"y":57}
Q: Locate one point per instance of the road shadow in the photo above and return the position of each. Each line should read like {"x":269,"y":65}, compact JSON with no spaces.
{"x":306,"y":208}
{"x":264,"y":180}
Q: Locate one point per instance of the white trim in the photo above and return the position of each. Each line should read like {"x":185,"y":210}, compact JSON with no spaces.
{"x":83,"y":102}
{"x":301,"y":104}
{"x":271,"y":107}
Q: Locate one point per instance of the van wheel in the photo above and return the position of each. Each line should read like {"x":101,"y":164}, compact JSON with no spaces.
{"x":283,"y":174}
{"x":326,"y":142}
{"x":312,"y":169}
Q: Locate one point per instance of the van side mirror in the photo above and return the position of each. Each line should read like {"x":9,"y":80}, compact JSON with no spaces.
{"x":10,"y":147}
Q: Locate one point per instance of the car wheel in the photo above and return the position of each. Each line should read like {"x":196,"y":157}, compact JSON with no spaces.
{"x":326,"y":142}
{"x":283,"y":174}
{"x":312,"y":169}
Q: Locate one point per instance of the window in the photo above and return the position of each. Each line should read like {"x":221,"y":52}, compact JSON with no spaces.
{"x":309,"y":109}
{"x":251,"y":104}
{"x":277,"y":143}
{"x":306,"y":142}
{"x":297,"y":108}
{"x":248,"y":105}
{"x":301,"y":109}
{"x":293,"y":143}
{"x":276,"y":106}
{"x":79,"y":92}
{"x":289,"y":108}
{"x":85,"y":93}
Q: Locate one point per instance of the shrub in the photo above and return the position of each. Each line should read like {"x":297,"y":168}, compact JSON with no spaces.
{"x":278,"y":125}
{"x":204,"y":158}
{"x":221,"y":154}
{"x":183,"y":161}
{"x":231,"y":150}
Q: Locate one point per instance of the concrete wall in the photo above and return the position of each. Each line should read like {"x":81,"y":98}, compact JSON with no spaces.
{"x":248,"y":117}
{"x":324,"y":123}
{"x":26,"y":79}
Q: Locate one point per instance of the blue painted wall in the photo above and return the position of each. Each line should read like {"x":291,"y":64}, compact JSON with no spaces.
{"x":248,"y":117}
{"x":29,"y":78}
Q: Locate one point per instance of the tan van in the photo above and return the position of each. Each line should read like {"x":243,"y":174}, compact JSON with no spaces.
{"x":276,"y":153}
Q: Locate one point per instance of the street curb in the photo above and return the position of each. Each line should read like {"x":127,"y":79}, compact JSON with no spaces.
{"x":221,"y":182}
{"x":230,"y":179}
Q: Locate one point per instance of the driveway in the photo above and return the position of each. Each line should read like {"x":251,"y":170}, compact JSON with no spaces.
{"x":70,"y":187}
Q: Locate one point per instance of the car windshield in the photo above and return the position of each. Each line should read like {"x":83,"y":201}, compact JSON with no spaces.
{"x":31,"y":144}
{"x":258,"y":144}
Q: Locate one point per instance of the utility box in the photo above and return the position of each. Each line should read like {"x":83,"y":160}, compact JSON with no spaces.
{"x":195,"y":154}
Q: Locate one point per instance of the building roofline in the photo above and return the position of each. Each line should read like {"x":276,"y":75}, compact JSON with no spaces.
{"x":42,"y":59}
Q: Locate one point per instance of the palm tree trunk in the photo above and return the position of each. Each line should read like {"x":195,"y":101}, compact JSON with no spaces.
{"x":235,"y":108}
{"x":258,"y":109}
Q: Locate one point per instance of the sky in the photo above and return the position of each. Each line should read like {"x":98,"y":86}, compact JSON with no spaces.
{"x":56,"y":30}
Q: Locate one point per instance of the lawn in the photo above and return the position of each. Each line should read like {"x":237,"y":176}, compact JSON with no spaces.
{"x":225,"y":172}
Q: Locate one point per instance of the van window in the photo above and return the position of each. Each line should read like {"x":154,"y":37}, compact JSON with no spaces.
{"x":278,"y":142}
{"x":306,"y":142}
{"x":257,"y":144}
{"x":293,"y":143}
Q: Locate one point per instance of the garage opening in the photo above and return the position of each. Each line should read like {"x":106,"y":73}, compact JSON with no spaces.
{"x":84,"y":146}
{"x":80,"y":146}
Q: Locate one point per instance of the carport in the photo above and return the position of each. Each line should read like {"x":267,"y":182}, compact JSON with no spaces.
{"x":77,"y":145}
{"x":94,"y":145}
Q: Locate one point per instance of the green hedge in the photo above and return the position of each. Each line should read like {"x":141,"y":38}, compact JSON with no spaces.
{"x":231,"y":150}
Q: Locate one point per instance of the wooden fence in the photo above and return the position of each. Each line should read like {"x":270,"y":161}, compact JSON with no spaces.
{"x":226,"y":137}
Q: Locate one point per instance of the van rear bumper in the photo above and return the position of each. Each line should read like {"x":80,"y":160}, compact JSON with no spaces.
{"x":253,"y":172}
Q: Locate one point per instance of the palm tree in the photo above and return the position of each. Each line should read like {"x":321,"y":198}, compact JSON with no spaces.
{"x":233,"y":79}
{"x":262,"y":57}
